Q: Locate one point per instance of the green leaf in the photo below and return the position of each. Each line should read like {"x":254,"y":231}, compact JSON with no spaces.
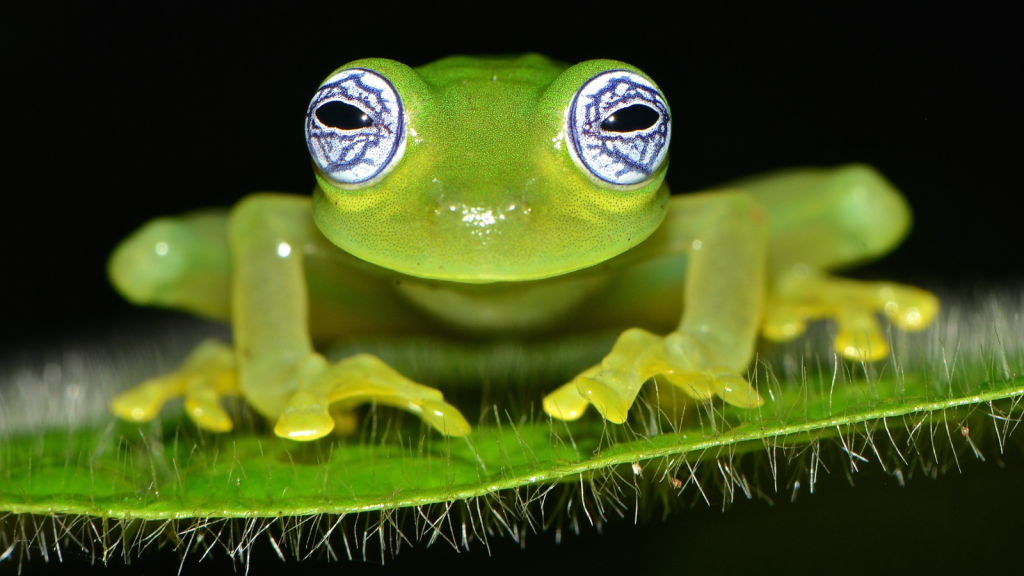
{"x":170,"y":470}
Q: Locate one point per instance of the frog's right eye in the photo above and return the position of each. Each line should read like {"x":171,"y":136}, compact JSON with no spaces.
{"x":355,"y":127}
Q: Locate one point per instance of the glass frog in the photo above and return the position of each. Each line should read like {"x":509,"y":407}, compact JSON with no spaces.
{"x":507,"y":196}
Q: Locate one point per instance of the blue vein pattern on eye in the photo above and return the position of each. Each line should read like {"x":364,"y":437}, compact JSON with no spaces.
{"x":630,"y":151}
{"x":374,"y":145}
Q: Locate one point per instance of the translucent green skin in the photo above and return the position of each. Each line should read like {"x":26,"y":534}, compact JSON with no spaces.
{"x":487,"y":226}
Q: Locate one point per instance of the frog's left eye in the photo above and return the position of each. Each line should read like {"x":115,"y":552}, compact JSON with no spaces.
{"x":355,"y":126}
{"x":619,"y":127}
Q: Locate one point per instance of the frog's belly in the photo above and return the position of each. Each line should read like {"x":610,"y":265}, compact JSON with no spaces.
{"x":509,"y":308}
{"x":648,"y":295}
{"x":346,"y":301}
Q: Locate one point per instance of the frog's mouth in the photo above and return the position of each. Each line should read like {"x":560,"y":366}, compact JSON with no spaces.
{"x":505,"y":241}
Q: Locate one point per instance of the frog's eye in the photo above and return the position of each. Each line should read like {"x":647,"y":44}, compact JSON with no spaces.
{"x":619,"y":127}
{"x":355,"y":126}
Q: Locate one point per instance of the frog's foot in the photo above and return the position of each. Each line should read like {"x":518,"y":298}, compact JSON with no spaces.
{"x":638,"y":355}
{"x":853,"y":305}
{"x":207,"y":375}
{"x":358,"y":380}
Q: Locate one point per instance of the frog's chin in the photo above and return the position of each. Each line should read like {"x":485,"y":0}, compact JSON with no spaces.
{"x":484,"y":243}
{"x":482,"y":262}
{"x":489,"y":268}
{"x":481,"y":275}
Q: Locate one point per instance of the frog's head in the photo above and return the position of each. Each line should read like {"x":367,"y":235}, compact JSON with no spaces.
{"x":488,"y":170}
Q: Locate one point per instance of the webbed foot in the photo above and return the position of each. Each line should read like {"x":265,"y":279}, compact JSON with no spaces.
{"x":638,"y":355}
{"x":207,"y":375}
{"x":358,"y":380}
{"x":853,"y":305}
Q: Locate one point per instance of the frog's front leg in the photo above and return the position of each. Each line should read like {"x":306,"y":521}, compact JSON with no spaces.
{"x":280,"y":374}
{"x":823,"y":219}
{"x":725,"y":236}
{"x":277,"y":370}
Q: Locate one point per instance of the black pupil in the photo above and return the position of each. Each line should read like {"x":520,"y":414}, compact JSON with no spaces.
{"x":343,"y":116}
{"x":631,"y":119}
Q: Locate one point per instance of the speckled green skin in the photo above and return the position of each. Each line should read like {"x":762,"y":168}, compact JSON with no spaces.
{"x":486,"y":191}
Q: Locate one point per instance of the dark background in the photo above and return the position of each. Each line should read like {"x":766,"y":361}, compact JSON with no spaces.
{"x":113,"y":115}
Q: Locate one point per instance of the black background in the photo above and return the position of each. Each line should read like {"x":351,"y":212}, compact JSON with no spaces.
{"x":112,"y":115}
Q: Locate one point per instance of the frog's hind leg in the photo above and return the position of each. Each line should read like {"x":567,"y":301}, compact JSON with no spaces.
{"x":178,"y":262}
{"x":206,"y":376}
{"x":824,"y":219}
{"x":182,"y":263}
{"x":853,"y":305}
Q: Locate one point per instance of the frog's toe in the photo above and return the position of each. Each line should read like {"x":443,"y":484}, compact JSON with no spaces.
{"x":566,"y":402}
{"x":610,"y":391}
{"x":722,"y":382}
{"x":444,"y":417}
{"x":734,"y":389}
{"x":696,"y":385}
{"x":143,"y":403}
{"x":361,"y":379}
{"x":203,"y":406}
{"x":305,"y":418}
{"x":612,"y":386}
{"x":207,"y":375}
{"x":606,"y":393}
{"x":859,"y":336}
{"x":912,"y":309}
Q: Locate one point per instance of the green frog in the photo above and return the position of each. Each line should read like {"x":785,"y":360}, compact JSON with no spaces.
{"x":507,"y":197}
